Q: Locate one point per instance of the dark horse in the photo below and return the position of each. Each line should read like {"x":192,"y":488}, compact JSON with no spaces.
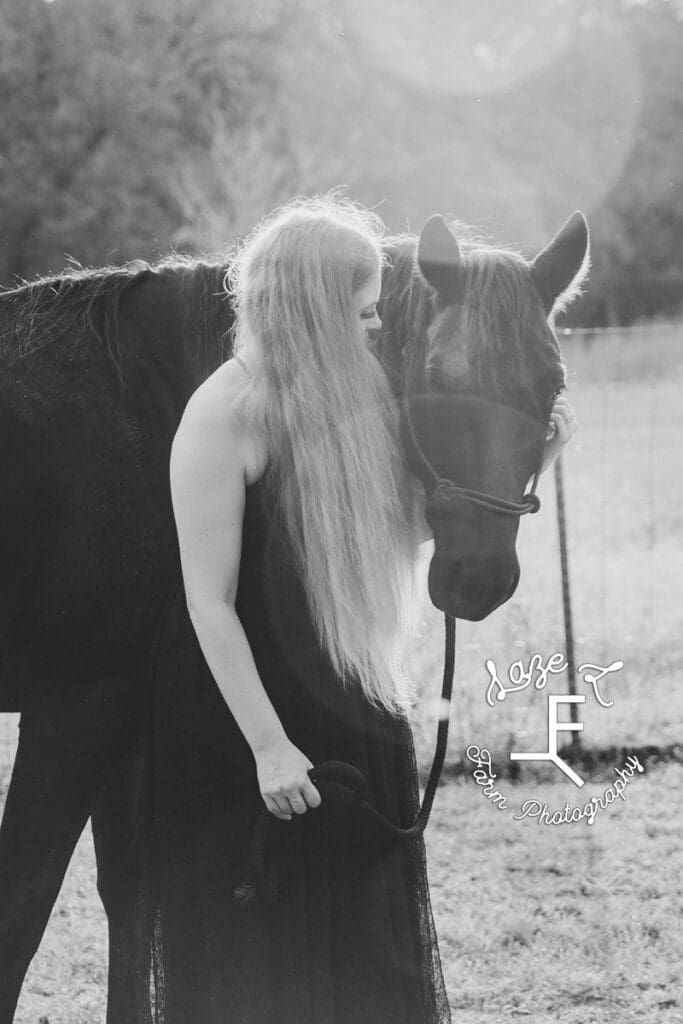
{"x":96,"y":370}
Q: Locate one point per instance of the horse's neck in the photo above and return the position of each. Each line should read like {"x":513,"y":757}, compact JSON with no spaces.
{"x":182,"y":320}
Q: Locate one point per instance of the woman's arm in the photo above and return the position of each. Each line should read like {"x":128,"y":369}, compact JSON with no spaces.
{"x":562,"y":428}
{"x":424,"y":531}
{"x":209,"y":462}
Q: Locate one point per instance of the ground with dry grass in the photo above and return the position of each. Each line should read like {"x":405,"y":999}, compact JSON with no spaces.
{"x":572,"y":923}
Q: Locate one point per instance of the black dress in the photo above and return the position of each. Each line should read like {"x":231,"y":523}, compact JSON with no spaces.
{"x":351,"y":939}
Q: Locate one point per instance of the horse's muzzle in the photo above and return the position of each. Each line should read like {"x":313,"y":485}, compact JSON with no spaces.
{"x":471,"y":589}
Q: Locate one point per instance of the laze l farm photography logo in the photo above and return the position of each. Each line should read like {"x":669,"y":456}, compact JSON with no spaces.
{"x":536,"y":674}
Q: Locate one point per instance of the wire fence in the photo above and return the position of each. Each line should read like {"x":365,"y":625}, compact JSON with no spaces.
{"x":624,"y":512}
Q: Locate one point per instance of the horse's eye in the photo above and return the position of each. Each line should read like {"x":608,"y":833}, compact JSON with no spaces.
{"x":556,"y":393}
{"x":545,"y":404}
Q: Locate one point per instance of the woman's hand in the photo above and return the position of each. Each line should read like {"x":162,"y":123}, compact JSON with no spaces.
{"x":562,"y":428}
{"x":283,"y":780}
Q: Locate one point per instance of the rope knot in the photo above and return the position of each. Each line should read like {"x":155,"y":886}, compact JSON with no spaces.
{"x":533,"y":500}
{"x":443,"y":495}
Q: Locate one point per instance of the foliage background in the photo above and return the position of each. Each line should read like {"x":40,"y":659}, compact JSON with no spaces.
{"x":130,"y":129}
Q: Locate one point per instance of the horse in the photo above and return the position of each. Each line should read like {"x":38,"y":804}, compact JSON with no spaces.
{"x":97,"y":367}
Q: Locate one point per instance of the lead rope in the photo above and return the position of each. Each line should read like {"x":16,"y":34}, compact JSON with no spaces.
{"x":345,"y":784}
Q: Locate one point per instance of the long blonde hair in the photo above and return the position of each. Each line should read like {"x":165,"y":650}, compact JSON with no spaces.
{"x":325,"y":407}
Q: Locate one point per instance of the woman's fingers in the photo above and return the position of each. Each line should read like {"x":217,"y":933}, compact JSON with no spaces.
{"x":279,"y":807}
{"x":283,"y":806}
{"x":561,"y":428}
{"x":310,"y":794}
{"x":298,"y":803}
{"x":284,"y":781}
{"x":294,"y":802}
{"x":560,"y":425}
{"x":562,"y":420}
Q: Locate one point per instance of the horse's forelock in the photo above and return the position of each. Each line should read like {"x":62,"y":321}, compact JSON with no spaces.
{"x":497,"y":338}
{"x":407,"y":305}
{"x":505,"y":328}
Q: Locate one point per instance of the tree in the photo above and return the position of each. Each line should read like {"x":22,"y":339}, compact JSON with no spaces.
{"x":112,"y":113}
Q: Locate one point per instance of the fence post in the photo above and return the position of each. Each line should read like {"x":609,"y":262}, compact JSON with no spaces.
{"x":566,"y":602}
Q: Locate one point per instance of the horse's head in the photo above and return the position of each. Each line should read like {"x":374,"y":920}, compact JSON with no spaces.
{"x":467,"y":344}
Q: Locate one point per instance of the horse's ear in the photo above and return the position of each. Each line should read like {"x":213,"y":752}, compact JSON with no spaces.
{"x":438,"y":257}
{"x":561,"y":267}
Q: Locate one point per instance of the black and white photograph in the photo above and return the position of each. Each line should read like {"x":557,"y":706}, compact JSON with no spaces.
{"x":341,"y":511}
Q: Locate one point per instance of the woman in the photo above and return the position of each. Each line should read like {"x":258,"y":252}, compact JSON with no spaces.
{"x":298,"y":533}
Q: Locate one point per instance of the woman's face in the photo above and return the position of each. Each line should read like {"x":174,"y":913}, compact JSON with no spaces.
{"x":365,"y":306}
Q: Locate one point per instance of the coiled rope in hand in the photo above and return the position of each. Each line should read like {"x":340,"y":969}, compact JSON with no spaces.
{"x":345,"y":784}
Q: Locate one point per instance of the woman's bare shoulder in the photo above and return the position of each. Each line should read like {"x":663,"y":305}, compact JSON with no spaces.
{"x":211,"y":418}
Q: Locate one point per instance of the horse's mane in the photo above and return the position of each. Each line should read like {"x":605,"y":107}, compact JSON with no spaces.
{"x":82,"y":305}
{"x":503,"y":335}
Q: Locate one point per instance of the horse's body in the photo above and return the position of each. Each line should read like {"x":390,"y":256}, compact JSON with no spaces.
{"x":88,"y":544}
{"x":95,"y":373}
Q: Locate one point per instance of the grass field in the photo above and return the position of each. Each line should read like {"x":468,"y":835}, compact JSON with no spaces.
{"x":567,"y":924}
{"x":570,"y":923}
